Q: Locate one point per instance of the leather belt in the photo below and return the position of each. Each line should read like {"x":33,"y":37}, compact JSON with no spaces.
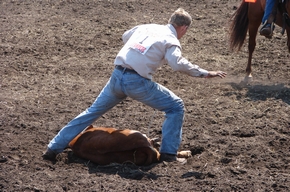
{"x":119,"y":67}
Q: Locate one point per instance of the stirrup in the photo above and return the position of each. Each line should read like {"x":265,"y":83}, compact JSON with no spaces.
{"x":272,"y":27}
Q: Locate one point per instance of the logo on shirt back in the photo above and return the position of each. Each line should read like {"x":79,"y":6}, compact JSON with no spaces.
{"x":139,"y":47}
{"x":142,"y":43}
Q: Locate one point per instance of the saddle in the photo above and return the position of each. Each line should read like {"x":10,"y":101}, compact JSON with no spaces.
{"x":285,"y":15}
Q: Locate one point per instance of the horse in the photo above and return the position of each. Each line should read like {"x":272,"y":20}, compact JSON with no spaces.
{"x":248,"y":18}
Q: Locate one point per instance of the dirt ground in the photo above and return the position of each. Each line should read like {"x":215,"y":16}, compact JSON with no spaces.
{"x":56,"y":56}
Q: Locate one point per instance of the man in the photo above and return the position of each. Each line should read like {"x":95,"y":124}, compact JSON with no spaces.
{"x":146,"y":48}
{"x":269,"y":18}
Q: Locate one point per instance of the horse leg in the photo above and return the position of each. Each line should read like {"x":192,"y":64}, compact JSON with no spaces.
{"x":255,"y":14}
{"x":288,"y":38}
{"x":253,"y":29}
{"x":288,"y":27}
{"x":251,"y":47}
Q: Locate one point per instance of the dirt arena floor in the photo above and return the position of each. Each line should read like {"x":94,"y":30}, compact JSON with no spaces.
{"x":56,"y":56}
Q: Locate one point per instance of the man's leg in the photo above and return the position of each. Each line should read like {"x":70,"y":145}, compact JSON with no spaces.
{"x":107,"y":99}
{"x":161,"y":98}
{"x":269,"y":18}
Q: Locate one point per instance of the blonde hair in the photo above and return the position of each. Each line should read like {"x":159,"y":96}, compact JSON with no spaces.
{"x":180,"y":17}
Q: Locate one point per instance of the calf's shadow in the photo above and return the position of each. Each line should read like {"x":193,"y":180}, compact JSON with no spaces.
{"x":126,"y":170}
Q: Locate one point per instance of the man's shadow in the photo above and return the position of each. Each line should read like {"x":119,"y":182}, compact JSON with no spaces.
{"x":263,"y":92}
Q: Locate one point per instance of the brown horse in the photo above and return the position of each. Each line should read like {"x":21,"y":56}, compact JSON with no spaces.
{"x":248,"y":17}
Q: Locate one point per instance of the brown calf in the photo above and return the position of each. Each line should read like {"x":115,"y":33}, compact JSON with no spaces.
{"x":109,"y":145}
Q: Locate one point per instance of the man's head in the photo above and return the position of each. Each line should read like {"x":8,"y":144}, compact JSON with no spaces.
{"x":181,"y":20}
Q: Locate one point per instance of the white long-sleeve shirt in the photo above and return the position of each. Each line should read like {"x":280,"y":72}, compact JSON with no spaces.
{"x":147,"y":47}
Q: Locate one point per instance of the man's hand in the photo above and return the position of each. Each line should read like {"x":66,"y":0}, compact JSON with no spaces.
{"x":220,"y":74}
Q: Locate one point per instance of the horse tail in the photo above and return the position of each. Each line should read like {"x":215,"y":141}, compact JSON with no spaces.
{"x":239,"y":26}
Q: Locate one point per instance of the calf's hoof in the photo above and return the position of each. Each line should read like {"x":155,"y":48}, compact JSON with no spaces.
{"x":184,"y":154}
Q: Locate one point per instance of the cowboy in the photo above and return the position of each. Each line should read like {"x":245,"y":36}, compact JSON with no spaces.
{"x":146,"y":48}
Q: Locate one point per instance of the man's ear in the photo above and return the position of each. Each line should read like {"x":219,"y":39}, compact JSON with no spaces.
{"x":184,"y":27}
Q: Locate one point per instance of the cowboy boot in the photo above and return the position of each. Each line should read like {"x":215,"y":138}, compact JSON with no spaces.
{"x":267,"y":29}
{"x":49,"y":155}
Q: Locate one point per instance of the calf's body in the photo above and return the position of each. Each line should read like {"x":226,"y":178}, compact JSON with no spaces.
{"x":109,"y":145}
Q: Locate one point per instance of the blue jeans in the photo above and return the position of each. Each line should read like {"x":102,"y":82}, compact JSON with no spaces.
{"x":120,"y":85}
{"x":268,"y":9}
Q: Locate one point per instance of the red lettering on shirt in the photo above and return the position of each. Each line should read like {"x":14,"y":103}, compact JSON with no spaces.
{"x":139,"y":47}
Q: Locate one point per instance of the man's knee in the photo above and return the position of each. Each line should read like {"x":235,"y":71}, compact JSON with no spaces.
{"x":179,"y":107}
